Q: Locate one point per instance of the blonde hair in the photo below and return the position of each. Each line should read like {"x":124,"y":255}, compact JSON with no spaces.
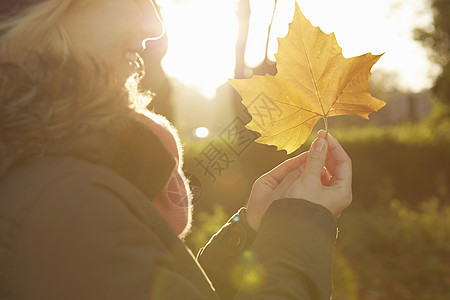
{"x":45,"y":95}
{"x":34,"y":30}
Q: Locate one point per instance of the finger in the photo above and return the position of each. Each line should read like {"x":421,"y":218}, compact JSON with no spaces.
{"x":329,"y":163}
{"x":322,"y":134}
{"x":337,"y":152}
{"x":288,"y":180}
{"x":281,"y":171}
{"x":326,"y":178}
{"x":343,"y":166}
{"x":315,"y":161}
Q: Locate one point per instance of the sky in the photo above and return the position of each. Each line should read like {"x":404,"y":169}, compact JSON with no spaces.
{"x":202,"y":36}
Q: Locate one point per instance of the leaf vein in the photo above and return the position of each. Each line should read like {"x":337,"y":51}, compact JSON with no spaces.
{"x":298,"y":107}
{"x":342,"y":92}
{"x":312,"y":74}
{"x":291,"y":128}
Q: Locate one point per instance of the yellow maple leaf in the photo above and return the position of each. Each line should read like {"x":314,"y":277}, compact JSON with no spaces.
{"x":313,"y":81}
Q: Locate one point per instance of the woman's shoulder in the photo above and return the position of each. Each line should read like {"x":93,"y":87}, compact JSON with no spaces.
{"x":34,"y":177}
{"x":61,"y":184}
{"x":66,"y":215}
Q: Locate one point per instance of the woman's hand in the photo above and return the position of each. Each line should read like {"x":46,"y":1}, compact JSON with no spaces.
{"x":321,"y":175}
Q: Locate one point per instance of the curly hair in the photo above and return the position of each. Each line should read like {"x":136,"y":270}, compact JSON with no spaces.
{"x":45,"y":95}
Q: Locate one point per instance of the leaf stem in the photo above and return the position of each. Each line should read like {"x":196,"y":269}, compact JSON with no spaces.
{"x":325,"y":119}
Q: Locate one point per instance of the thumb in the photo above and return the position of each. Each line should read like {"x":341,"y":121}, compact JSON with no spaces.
{"x":315,"y":161}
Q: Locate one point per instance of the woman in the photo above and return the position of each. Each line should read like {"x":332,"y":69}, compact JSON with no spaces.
{"x":93,"y":201}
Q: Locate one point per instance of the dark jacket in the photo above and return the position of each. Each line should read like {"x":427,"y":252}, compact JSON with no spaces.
{"x":78,"y":223}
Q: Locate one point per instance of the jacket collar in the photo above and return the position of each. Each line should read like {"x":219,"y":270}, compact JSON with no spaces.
{"x":133,"y":151}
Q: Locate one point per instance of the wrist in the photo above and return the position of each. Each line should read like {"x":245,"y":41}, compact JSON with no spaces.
{"x":251,"y":220}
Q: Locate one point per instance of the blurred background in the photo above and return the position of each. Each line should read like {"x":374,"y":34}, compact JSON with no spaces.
{"x":394,"y":240}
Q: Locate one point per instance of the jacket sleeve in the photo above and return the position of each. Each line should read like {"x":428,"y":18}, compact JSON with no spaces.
{"x":289,"y":258}
{"x":85,"y":241}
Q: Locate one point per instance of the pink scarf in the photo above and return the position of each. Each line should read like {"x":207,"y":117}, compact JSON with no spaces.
{"x":174,"y":202}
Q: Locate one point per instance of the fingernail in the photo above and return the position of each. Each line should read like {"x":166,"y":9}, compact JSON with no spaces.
{"x":320,"y":145}
{"x":321,"y":133}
